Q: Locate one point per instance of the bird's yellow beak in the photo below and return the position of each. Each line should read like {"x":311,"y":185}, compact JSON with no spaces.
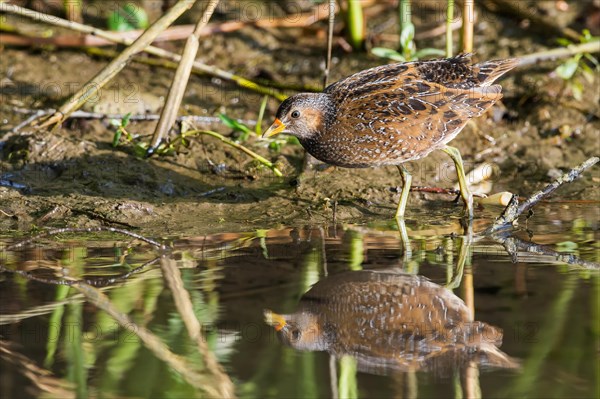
{"x":273,"y":319}
{"x":276,"y":128}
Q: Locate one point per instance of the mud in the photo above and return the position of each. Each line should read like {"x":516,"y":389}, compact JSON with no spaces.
{"x":74,"y":177}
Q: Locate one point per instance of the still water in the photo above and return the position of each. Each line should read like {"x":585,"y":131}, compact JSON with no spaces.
{"x":349,"y":311}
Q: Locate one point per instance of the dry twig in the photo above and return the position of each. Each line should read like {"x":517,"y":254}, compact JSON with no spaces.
{"x":180,"y":80}
{"x":515,"y":209}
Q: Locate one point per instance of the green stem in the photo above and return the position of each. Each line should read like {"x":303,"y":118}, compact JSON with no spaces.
{"x":355,"y":21}
{"x":449,"y":18}
{"x":240,"y":147}
{"x":348,"y":385}
{"x":261,"y":114}
{"x":551,"y":332}
{"x":55,"y":324}
{"x":404,"y":13}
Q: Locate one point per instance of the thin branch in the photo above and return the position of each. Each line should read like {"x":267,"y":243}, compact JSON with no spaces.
{"x":563,"y":52}
{"x":514,"y":209}
{"x":34,"y":116}
{"x":97,"y":282}
{"x":513,"y":245}
{"x":150,"y":340}
{"x":42,"y":379}
{"x":263,"y":84}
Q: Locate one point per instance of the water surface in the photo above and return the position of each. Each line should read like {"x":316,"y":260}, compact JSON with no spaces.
{"x":546,"y":309}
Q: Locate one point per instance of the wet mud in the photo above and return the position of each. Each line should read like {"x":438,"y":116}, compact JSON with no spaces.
{"x":74,"y":177}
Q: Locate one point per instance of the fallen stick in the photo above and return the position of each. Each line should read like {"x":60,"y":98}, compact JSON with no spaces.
{"x":513,"y":210}
{"x":513,"y":245}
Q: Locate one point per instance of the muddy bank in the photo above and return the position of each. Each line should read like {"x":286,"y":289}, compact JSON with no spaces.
{"x":74,"y":177}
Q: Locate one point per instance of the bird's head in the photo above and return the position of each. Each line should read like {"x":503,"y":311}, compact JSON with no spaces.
{"x":300,"y":330}
{"x":302,"y":115}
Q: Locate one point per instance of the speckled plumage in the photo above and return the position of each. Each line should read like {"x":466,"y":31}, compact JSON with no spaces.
{"x":390,"y":321}
{"x":394,"y":113}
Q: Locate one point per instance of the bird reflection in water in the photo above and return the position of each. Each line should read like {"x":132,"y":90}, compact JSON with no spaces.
{"x":390,"y":321}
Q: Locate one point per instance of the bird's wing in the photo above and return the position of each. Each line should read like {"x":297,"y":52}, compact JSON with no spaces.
{"x":458,"y":73}
{"x":454,"y":73}
{"x":409,"y":114}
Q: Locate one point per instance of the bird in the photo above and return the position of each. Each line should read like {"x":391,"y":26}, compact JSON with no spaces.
{"x":394,"y":113}
{"x":389,"y":321}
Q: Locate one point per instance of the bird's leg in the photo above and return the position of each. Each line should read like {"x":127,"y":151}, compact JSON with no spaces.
{"x":466,"y":195}
{"x":407,"y":249}
{"x":406,"y":183}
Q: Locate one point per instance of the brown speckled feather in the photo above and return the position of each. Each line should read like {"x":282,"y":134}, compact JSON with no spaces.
{"x":394,"y":113}
{"x":391,"y":320}
{"x":400,"y":112}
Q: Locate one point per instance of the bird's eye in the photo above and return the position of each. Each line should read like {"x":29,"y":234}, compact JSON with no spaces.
{"x":296,"y":335}
{"x":295,"y":114}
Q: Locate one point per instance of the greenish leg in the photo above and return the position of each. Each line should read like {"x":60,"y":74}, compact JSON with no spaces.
{"x":405,"y":240}
{"x":406,"y":182}
{"x":466,"y":195}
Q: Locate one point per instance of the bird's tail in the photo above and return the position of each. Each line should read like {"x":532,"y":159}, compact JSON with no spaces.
{"x":489,"y":71}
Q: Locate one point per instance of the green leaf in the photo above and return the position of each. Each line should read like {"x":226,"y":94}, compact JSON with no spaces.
{"x":428,"y":52}
{"x":117,"y":137}
{"x":564,"y":42}
{"x":388,"y":53}
{"x":125,"y":120}
{"x":407,"y":35}
{"x":577,"y":89}
{"x":129,"y":17}
{"x":233,"y":124}
{"x":140,"y":150}
{"x":588,"y":73}
{"x":275,"y":146}
{"x":566,"y":246}
{"x":293,"y":140}
{"x":568,"y":69}
{"x":587,"y":37}
{"x":592,"y":59}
